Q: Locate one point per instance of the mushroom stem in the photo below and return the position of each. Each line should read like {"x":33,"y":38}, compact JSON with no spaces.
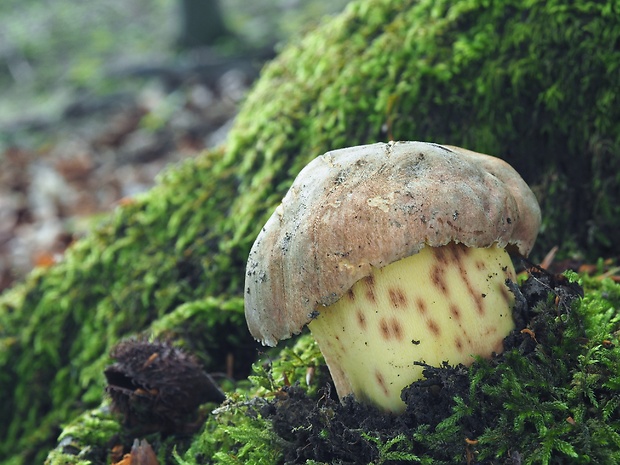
{"x":446,"y":303}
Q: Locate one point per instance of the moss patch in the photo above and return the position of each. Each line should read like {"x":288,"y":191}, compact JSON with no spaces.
{"x":154,"y":260}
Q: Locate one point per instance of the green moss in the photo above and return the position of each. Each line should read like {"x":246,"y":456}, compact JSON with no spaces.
{"x":155,"y":259}
{"x":239,"y":432}
{"x":86,"y":440}
{"x":534,"y":82}
{"x":235,"y":433}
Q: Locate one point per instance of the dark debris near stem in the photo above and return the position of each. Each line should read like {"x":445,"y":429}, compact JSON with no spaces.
{"x":326,"y":430}
{"x":158,"y":387}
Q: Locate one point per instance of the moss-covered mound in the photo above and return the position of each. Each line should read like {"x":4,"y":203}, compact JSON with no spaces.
{"x":534,"y":82}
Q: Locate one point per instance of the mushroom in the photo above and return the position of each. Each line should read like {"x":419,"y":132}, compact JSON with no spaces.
{"x":392,"y":254}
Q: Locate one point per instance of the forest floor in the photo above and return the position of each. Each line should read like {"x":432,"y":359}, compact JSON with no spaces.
{"x":101,"y":151}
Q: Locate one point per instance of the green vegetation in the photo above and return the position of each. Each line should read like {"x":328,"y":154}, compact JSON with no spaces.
{"x":147,"y":263}
{"x":531,"y":81}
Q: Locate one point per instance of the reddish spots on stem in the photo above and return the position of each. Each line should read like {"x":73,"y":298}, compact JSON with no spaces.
{"x":397,"y":298}
{"x":464,"y":336}
{"x":438,"y":279}
{"x":385,"y":328}
{"x":455,"y":312}
{"x":476,"y":296}
{"x":421,"y":305}
{"x":433,"y":327}
{"x":457,"y":251}
{"x":479,"y":301}
{"x":361,"y":319}
{"x":340,"y":346}
{"x":397,"y":329}
{"x":369,"y":288}
{"x":351,"y":295}
{"x":480,"y":265}
{"x":391,"y":329}
{"x":459,"y":344}
{"x":381,"y":382}
{"x":440,"y":255}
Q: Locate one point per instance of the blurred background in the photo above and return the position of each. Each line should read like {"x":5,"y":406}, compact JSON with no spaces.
{"x":97,"y":96}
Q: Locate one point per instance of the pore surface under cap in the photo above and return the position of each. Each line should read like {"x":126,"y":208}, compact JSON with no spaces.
{"x":362,"y":207}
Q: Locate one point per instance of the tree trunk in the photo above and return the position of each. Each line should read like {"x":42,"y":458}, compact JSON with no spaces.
{"x":202,"y":23}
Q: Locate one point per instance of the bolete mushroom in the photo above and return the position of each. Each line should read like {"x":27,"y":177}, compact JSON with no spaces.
{"x":392,"y":253}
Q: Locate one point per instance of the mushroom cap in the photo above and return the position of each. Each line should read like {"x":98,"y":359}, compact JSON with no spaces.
{"x":361,"y":207}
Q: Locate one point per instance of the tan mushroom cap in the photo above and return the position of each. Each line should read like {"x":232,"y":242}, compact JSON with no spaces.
{"x":368,"y":206}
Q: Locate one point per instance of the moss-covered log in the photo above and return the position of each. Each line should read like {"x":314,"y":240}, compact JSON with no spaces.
{"x":534,"y":82}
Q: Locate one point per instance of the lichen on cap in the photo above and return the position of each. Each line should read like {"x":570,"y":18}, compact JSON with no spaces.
{"x":353,"y":210}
